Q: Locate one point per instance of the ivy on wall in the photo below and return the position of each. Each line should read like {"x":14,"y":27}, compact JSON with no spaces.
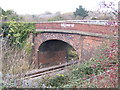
{"x":17,"y":32}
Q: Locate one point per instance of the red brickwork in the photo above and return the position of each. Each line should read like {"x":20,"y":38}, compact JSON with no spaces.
{"x":72,"y":39}
{"x":101,"y":29}
{"x":89,"y":46}
{"x":83,"y":44}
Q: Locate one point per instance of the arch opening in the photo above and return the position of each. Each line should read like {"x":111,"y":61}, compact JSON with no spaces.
{"x":54,"y":52}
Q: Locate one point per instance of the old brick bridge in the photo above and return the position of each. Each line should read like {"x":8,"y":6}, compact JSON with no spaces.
{"x":52,"y":39}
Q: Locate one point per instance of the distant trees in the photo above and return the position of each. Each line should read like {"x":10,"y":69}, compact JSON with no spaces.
{"x":81,"y":12}
{"x":9,"y":15}
{"x":56,"y":17}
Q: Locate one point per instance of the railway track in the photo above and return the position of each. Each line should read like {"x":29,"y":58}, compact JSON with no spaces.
{"x":48,"y":70}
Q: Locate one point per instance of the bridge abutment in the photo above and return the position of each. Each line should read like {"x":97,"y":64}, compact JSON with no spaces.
{"x":84,"y":38}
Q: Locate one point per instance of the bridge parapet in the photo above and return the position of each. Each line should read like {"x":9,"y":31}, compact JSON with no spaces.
{"x":99,"y":29}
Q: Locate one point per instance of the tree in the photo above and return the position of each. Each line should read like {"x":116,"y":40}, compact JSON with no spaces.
{"x":9,"y":15}
{"x":110,"y":6}
{"x":81,"y":12}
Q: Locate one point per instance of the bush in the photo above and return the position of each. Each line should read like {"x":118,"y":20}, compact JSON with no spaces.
{"x":17,"y":32}
{"x":58,"y":81}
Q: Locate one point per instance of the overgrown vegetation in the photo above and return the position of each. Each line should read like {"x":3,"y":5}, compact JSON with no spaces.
{"x":71,"y":54}
{"x":105,"y":60}
{"x":17,"y":32}
{"x":16,"y":46}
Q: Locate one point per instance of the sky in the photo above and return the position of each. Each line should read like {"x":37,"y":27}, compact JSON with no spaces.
{"x":41,"y":6}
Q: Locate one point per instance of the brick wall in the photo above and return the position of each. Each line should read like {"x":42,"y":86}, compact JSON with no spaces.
{"x":72,"y":39}
{"x":101,"y":29}
{"x":84,"y":45}
{"x":90,"y":44}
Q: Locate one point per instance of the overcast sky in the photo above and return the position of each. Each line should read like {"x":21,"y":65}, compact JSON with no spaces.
{"x":41,"y":6}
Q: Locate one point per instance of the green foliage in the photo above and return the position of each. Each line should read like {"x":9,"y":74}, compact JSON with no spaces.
{"x":81,"y":12}
{"x":17,"y":32}
{"x":71,"y":53}
{"x":9,"y":15}
{"x":58,"y":81}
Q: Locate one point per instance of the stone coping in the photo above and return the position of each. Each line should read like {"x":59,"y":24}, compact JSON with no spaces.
{"x":75,"y":32}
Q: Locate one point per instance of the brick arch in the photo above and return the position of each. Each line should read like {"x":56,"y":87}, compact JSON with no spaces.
{"x":53,"y":52}
{"x":72,"y":39}
{"x":71,"y":44}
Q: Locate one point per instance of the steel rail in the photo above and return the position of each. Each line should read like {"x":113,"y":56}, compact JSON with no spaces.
{"x":45,"y":71}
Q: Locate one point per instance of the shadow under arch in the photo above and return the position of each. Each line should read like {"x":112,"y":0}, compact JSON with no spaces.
{"x":54,"y":52}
